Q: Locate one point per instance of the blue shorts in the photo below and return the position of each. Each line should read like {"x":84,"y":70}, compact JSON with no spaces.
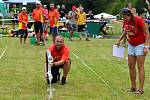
{"x":136,"y":50}
{"x":54,"y":30}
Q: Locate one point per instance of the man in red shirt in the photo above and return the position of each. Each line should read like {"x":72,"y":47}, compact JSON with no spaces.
{"x":60,"y":53}
{"x":37,"y":15}
{"x":53,"y":20}
{"x":23,"y":21}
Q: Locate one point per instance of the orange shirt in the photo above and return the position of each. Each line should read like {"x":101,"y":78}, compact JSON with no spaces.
{"x":37,"y":14}
{"x":63,"y":54}
{"x":53,"y":17}
{"x":23,"y":17}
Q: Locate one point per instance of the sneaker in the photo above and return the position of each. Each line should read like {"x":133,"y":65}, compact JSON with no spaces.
{"x":131,"y":90}
{"x":63,"y":80}
{"x":87,"y":39}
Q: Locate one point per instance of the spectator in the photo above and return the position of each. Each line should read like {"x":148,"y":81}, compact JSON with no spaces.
{"x":90,"y":15}
{"x":53,"y":20}
{"x":58,"y":8}
{"x":81,"y":21}
{"x":37,"y":15}
{"x":23,"y":21}
{"x":15,"y":12}
{"x":72,"y":21}
{"x":45,"y":18}
{"x":63,"y":12}
{"x":138,"y":36}
{"x":60,"y":54}
{"x":134,"y":11}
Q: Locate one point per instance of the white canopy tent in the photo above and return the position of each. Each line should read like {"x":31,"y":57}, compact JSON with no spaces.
{"x":105,"y":16}
{"x":21,"y":1}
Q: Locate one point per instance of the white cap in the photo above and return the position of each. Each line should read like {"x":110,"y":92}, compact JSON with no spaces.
{"x":24,"y":3}
{"x":23,"y":8}
{"x":38,"y":2}
{"x":45,"y":5}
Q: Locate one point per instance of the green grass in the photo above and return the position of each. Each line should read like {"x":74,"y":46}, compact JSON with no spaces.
{"x":22,"y":77}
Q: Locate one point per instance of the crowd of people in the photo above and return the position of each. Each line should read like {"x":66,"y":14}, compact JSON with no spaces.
{"x":45,"y":19}
{"x":135,"y":31}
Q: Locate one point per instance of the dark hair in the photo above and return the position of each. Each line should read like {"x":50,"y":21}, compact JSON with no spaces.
{"x":126,"y":11}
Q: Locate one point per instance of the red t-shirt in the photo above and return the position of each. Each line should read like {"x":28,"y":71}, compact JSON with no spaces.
{"x":53,"y":15}
{"x":138,"y":37}
{"x":23,"y":17}
{"x":63,"y":54}
{"x":37,"y":14}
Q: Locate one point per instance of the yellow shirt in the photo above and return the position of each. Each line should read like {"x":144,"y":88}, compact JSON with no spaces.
{"x":81,"y":18}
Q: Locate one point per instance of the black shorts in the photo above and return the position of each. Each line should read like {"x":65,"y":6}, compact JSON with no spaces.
{"x":23,"y":33}
{"x":15,"y":19}
{"x":38,"y":27}
{"x":54,"y":30}
{"x":80,"y":28}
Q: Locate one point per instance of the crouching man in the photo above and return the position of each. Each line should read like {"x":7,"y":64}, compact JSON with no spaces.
{"x":60,"y":53}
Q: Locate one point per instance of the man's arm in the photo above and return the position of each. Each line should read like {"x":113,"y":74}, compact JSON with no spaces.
{"x":58,"y":63}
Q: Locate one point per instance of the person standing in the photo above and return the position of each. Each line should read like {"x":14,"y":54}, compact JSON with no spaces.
{"x":63,"y":12}
{"x":37,"y":15}
{"x":23,"y":21}
{"x":137,"y":36}
{"x":53,"y":17}
{"x":72,"y":22}
{"x":45,"y":19}
{"x":15,"y":12}
{"x":81,"y":21}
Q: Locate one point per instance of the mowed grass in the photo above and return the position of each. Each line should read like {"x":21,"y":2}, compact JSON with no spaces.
{"x":95,"y":74}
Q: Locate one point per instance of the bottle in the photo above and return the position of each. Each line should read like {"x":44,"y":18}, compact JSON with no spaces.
{"x":49,"y":56}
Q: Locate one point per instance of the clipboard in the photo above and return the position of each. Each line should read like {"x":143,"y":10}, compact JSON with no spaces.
{"x":118,"y":51}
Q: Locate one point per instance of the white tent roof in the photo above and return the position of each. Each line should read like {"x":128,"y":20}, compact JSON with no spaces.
{"x":105,"y":15}
{"x":21,"y":1}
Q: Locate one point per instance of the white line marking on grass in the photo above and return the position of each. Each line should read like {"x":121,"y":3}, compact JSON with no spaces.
{"x":3,"y":52}
{"x":86,"y":65}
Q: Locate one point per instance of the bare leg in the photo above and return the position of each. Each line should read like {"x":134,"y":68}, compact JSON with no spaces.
{"x":79,"y":33}
{"x":54,"y":35}
{"x":38,"y":38}
{"x":24,"y":40}
{"x":132,"y":70}
{"x":66,"y":69}
{"x":71,"y":35}
{"x":20,"y":40}
{"x":140,"y":63}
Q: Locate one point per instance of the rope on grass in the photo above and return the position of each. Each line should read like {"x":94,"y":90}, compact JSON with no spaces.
{"x":3,"y":52}
{"x":100,"y":77}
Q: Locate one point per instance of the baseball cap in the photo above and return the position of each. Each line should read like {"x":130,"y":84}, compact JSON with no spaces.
{"x":38,"y":2}
{"x":74,"y":7}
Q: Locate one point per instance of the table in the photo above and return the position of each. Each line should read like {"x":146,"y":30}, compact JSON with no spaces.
{"x":94,"y":27}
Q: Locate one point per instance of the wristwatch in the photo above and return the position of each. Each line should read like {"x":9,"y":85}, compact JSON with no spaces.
{"x":147,"y":47}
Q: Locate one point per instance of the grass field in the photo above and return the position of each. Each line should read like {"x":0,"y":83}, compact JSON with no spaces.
{"x":95,"y":74}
